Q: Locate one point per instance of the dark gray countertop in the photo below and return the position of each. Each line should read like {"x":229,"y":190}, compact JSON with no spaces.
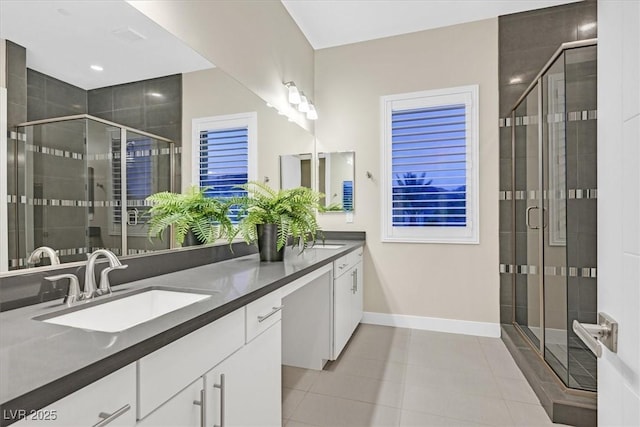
{"x":42,"y":362}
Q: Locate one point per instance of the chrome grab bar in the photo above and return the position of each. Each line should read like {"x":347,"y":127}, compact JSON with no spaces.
{"x":594,"y":336}
{"x":108,"y":418}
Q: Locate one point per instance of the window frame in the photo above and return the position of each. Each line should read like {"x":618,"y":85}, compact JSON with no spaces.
{"x":200,"y":124}
{"x":467,"y":95}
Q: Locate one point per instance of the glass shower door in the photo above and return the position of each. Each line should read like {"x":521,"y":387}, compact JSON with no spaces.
{"x":148,"y":170}
{"x":528,"y":218}
{"x":554,"y":164}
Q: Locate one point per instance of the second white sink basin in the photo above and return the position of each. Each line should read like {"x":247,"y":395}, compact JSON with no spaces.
{"x":126,"y":312}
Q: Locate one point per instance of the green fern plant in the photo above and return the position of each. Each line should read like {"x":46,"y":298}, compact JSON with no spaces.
{"x":293,"y":210}
{"x":206,"y":217}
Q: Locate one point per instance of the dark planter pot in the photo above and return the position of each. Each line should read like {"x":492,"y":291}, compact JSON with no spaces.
{"x":190,"y":239}
{"x":268,"y":243}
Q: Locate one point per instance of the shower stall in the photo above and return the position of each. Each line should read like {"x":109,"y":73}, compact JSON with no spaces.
{"x":81,"y":184}
{"x":553,"y":136}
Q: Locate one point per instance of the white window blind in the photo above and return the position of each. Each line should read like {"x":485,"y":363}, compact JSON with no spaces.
{"x":224,"y":154}
{"x":140,"y":173}
{"x":429,"y":151}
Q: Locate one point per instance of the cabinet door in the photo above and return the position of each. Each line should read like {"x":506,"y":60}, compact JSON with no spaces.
{"x":357,"y":296}
{"x":182,"y":410}
{"x":245,"y":389}
{"x":342,"y":320}
{"x":112,"y":396}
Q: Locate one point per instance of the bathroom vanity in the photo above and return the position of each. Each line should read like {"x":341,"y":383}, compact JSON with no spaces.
{"x":216,"y":361}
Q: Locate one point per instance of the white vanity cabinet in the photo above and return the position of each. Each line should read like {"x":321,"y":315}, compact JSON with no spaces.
{"x":245,"y":389}
{"x":231,"y":370}
{"x":110,"y":400}
{"x":347,"y":298}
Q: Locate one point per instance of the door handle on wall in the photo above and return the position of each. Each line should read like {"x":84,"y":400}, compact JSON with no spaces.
{"x":528,"y":217}
{"x":605,"y":332}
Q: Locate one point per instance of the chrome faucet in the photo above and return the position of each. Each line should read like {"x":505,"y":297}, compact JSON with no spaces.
{"x":74,"y":294}
{"x":36,"y":256}
{"x":90,"y":289}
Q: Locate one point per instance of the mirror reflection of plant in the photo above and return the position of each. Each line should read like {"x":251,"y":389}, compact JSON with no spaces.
{"x":206,"y":217}
{"x":333,"y":207}
{"x":293,"y":210}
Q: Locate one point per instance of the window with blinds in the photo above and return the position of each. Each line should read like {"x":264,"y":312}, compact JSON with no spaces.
{"x":224,"y":154}
{"x":430,"y":143}
{"x":347,"y":196}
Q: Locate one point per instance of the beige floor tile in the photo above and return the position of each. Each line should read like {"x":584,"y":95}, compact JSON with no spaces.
{"x":442,"y":338}
{"x":454,"y":357}
{"x":517,"y":390}
{"x":323,"y":410}
{"x":291,"y":398}
{"x":377,"y":369}
{"x":481,"y":382}
{"x":298,"y":378}
{"x":485,"y":410}
{"x":380,"y":332}
{"x":501,"y":363}
{"x":420,"y":419}
{"x":525,"y":414}
{"x":394,"y":349}
{"x":362,"y":389}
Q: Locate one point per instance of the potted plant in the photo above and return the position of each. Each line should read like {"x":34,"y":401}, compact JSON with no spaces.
{"x":271,"y":217}
{"x":194,"y":216}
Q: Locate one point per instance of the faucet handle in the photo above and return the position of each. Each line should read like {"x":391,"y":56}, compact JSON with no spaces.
{"x":105,"y":286}
{"x":73,"y":294}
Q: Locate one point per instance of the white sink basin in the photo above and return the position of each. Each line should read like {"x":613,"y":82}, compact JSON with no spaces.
{"x":320,"y":246}
{"x":124,"y":313}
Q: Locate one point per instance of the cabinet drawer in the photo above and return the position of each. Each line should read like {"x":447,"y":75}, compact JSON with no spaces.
{"x":263,"y":313}
{"x":113,"y":395}
{"x":341,"y":265}
{"x":173,"y":367}
{"x":355,"y":256}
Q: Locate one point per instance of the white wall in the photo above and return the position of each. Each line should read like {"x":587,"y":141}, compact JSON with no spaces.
{"x":257,"y":42}
{"x":212,"y":93}
{"x":619,"y":207}
{"x":430,"y":280}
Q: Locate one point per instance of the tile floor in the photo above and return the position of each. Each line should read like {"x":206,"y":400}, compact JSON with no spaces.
{"x":403,"y":377}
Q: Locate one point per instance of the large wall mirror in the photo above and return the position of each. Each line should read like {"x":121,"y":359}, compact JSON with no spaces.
{"x":164,"y":86}
{"x":336,"y":180}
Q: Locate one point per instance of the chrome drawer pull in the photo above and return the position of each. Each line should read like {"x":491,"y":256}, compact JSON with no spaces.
{"x":222,"y":401}
{"x":108,"y":418}
{"x":266,"y":316}
{"x":203,"y":407}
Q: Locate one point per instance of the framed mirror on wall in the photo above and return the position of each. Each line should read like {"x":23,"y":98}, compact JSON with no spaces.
{"x":296,"y":171}
{"x":336,"y":173}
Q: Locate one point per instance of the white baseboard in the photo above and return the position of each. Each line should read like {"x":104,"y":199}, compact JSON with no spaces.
{"x":466,"y":327}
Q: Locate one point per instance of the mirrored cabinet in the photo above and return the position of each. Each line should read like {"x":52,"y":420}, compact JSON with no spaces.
{"x":336,"y":180}
{"x":295,"y":171}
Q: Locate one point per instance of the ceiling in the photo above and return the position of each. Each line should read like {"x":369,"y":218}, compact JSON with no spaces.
{"x":64,"y":38}
{"x":328,"y":23}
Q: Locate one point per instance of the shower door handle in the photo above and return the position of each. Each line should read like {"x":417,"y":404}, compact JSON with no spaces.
{"x":594,"y":336}
{"x":527,"y":218}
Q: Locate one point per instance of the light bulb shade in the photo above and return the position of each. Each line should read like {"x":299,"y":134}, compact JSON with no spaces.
{"x":294,"y":94}
{"x":303,"y":106}
{"x":312,"y":114}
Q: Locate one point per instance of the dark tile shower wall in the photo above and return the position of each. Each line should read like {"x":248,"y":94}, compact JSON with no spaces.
{"x":526,"y":42}
{"x":153,"y":105}
{"x":48,"y":97}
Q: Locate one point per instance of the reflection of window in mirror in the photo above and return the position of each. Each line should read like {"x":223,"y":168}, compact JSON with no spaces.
{"x":336,"y":180}
{"x":295,"y":171}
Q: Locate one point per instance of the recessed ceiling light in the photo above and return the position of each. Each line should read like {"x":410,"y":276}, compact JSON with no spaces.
{"x":156,"y":94}
{"x":515,"y":80}
{"x":95,"y":67}
{"x":588,"y":26}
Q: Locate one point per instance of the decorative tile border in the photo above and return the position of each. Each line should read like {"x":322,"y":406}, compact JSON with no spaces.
{"x":561,"y":271}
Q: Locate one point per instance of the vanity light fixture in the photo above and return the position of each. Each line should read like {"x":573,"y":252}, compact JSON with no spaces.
{"x":303,"y":107}
{"x":294,"y":94}
{"x":96,"y":67}
{"x":312,"y":114}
